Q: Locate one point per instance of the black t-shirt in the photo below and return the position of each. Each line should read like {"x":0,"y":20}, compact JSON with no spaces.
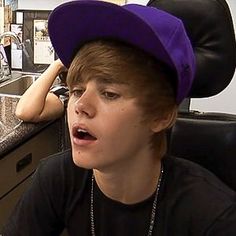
{"x":191,"y":201}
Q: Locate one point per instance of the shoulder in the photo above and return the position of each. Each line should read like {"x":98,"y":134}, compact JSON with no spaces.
{"x":196,"y":193}
{"x":60,"y":168}
{"x":58,"y":176}
{"x":189,"y":173}
{"x":54,"y":167}
{"x":61,"y":180}
{"x":56,"y":163}
{"x":44,"y":206}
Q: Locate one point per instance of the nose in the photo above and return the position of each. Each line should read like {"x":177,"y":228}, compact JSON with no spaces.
{"x":85,"y":105}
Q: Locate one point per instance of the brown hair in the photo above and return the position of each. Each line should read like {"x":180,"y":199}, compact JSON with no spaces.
{"x":151,"y":82}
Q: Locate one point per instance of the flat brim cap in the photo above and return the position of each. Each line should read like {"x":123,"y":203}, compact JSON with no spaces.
{"x":154,"y":31}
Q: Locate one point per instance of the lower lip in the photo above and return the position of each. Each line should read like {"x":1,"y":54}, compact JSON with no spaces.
{"x":82,"y":142}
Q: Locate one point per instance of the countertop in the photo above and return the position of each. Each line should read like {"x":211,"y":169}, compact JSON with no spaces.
{"x":12,"y":130}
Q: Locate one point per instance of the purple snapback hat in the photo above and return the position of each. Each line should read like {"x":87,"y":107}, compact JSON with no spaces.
{"x":154,"y":31}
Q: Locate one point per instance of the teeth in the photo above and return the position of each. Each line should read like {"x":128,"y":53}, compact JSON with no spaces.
{"x":81,"y":130}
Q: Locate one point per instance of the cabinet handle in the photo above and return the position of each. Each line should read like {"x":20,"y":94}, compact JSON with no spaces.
{"x":22,"y":163}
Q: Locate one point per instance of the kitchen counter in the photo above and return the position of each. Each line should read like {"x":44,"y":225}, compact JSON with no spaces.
{"x":13,"y":131}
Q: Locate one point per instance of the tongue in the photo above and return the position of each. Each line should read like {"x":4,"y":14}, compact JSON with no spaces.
{"x":86,"y":136}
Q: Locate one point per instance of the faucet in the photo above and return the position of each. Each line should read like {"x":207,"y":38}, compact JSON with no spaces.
{"x":14,"y":36}
{"x":5,"y":70}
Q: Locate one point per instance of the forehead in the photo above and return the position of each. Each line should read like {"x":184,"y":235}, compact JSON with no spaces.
{"x":106,"y":80}
{"x":82,"y":74}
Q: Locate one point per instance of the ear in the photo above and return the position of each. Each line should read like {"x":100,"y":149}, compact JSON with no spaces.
{"x":165,"y":121}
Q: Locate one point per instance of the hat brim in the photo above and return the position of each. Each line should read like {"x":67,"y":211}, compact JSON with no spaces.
{"x":74,"y":23}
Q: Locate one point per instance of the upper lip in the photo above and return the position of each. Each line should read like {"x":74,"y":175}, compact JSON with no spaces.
{"x":82,"y":127}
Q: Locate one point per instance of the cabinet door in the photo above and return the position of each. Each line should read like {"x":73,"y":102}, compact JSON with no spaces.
{"x":8,"y":202}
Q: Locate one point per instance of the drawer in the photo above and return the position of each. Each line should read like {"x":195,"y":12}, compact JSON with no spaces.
{"x":22,"y":161}
{"x":8,"y":202}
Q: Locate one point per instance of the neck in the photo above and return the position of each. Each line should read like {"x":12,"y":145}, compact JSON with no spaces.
{"x":132,"y":185}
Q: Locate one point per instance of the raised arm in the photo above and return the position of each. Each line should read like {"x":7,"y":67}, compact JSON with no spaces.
{"x":37,"y":104}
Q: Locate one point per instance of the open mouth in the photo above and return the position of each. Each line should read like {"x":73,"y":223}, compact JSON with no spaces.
{"x":82,"y":134}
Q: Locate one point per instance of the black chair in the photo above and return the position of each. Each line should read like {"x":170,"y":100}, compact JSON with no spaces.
{"x":207,"y":138}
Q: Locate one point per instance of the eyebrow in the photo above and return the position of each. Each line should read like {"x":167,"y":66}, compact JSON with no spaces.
{"x":104,"y":80}
{"x":110,"y":80}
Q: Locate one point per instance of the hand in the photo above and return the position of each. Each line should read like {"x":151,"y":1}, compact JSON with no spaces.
{"x":61,"y":69}
{"x":59,"y":65}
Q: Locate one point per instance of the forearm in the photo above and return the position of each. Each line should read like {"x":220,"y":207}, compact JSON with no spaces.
{"x":32,"y":103}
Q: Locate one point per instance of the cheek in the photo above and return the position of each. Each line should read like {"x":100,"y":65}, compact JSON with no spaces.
{"x":70,"y":114}
{"x":123,"y":122}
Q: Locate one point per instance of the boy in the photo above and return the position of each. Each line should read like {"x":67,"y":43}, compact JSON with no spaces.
{"x":129,"y":68}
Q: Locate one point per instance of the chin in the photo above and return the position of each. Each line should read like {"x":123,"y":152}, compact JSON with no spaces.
{"x":81,"y":161}
{"x":82,"y":165}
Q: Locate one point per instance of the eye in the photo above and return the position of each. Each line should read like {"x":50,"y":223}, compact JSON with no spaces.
{"x":77,"y":92}
{"x":110,"y":95}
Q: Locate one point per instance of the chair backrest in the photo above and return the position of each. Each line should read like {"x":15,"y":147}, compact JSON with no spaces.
{"x":207,"y":138}
{"x":212,"y":35}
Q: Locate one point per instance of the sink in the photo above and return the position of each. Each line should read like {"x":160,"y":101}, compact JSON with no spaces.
{"x":17,"y":86}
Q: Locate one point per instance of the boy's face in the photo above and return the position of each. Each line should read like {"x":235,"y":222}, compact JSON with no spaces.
{"x":106,"y":126}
